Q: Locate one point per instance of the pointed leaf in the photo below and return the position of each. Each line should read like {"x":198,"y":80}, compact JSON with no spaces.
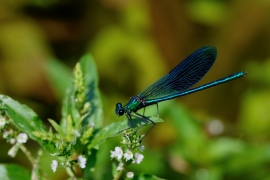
{"x":114,"y":129}
{"x":56,"y":126}
{"x":89,"y":82}
{"x":12,"y":171}
{"x":92,"y":93}
{"x":91,"y":163}
{"x":25,"y":119}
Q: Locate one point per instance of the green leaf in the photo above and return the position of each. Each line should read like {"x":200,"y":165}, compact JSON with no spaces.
{"x":143,"y":176}
{"x":69,"y":108}
{"x":90,"y":165}
{"x":114,"y":169}
{"x":188,"y":128}
{"x":56,"y":126}
{"x":113,"y":130}
{"x":92,"y":93}
{"x":12,"y":171}
{"x":91,"y":97}
{"x":224,"y":147}
{"x":59,"y":76}
{"x":25,"y":119}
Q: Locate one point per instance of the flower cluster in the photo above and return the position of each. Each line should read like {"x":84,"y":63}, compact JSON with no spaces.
{"x":128,"y":155}
{"x":17,"y":142}
{"x":81,"y":162}
{"x":131,"y":140}
{"x":125,"y":158}
{"x":9,"y":136}
{"x":54,"y":165}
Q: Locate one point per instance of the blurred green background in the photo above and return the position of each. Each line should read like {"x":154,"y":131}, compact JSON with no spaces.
{"x":219,"y":133}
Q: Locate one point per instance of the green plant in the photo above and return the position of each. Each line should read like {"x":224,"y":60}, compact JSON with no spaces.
{"x":73,"y":142}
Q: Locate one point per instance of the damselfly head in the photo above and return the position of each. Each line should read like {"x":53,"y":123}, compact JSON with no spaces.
{"x":119,"y":110}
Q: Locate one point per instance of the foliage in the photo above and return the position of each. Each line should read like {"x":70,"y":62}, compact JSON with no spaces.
{"x":134,"y":43}
{"x":77,"y":141}
{"x":79,"y":134}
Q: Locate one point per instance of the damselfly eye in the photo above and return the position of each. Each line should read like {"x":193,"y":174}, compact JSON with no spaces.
{"x":120,"y":113}
{"x":119,"y":109}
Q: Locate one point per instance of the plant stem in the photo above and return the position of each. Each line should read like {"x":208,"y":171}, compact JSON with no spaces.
{"x":71,"y":172}
{"x":118,"y":175}
{"x":36,"y":171}
{"x":28,"y":154}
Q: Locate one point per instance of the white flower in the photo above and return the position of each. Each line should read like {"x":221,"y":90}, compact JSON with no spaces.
{"x":13,"y":150}
{"x":54,"y":165}
{"x":22,"y":138}
{"x":138,"y":158}
{"x":118,"y":153}
{"x":141,"y":148}
{"x":113,"y":155}
{"x":128,"y":155}
{"x":120,"y":166}
{"x":82,"y":161}
{"x":2,"y":121}
{"x":6,"y":134}
{"x":130,"y":175}
{"x":12,"y":141}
